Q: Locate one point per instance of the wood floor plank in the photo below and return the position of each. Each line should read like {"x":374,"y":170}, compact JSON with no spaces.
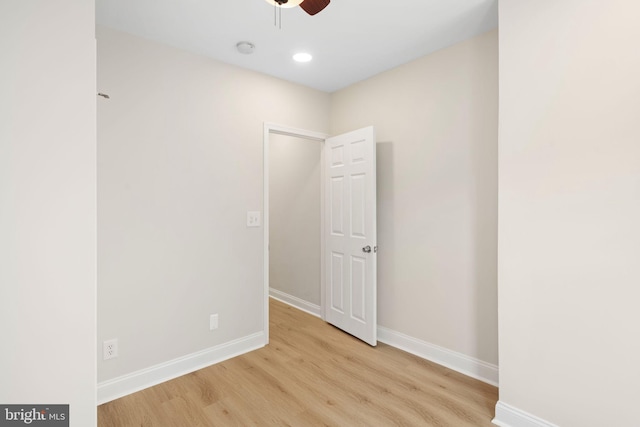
{"x":311,"y":374}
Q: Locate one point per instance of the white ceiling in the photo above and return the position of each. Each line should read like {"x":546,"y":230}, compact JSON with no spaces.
{"x":350,"y":40}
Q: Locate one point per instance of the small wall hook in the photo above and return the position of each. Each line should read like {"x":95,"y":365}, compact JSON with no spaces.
{"x":104,"y":95}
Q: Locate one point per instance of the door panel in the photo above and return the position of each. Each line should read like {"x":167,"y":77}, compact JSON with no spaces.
{"x":358,"y":208}
{"x":350,"y":209}
{"x":337,"y":195}
{"x":358,"y":288}
{"x":336,"y":277}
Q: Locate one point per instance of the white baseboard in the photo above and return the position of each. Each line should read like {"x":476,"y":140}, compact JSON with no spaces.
{"x":296,"y":302}
{"x":459,"y":362}
{"x":139,"y":380}
{"x":508,"y":416}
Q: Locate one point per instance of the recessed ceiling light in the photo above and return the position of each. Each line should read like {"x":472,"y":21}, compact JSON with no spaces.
{"x":302,"y":57}
{"x":245,"y":47}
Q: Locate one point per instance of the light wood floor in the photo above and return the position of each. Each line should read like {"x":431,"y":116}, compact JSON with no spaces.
{"x":311,"y":374}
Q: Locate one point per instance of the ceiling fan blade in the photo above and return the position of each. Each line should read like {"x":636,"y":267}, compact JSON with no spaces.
{"x":314,"y":6}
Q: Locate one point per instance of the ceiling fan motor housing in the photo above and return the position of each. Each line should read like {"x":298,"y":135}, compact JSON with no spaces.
{"x":312,"y":7}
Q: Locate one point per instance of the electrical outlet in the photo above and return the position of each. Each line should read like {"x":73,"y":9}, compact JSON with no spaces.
{"x":109,"y":349}
{"x":213,"y":322}
{"x":253,"y":219}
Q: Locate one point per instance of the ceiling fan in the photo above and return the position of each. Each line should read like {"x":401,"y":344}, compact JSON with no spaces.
{"x":310,"y":6}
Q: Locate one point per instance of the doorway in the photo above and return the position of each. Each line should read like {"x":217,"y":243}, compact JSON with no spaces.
{"x":294,"y":221}
{"x":277,"y":138}
{"x":348,"y":248}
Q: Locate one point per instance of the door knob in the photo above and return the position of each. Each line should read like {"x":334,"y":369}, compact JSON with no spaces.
{"x":366,"y":249}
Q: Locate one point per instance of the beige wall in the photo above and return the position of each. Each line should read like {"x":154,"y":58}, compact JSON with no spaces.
{"x":569,"y":210}
{"x":294,"y":220}
{"x":180,"y":164}
{"x":436,"y":123}
{"x":47,"y":205}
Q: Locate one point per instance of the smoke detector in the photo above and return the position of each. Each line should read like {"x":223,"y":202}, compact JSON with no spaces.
{"x":246,"y":48}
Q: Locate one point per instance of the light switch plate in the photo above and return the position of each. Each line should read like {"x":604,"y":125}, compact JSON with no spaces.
{"x":213,"y":322}
{"x":254,"y":219}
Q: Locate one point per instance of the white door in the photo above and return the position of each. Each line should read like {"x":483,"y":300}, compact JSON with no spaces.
{"x":350,"y":233}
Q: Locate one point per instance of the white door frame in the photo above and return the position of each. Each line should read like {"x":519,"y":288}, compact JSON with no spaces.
{"x":272,"y":128}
